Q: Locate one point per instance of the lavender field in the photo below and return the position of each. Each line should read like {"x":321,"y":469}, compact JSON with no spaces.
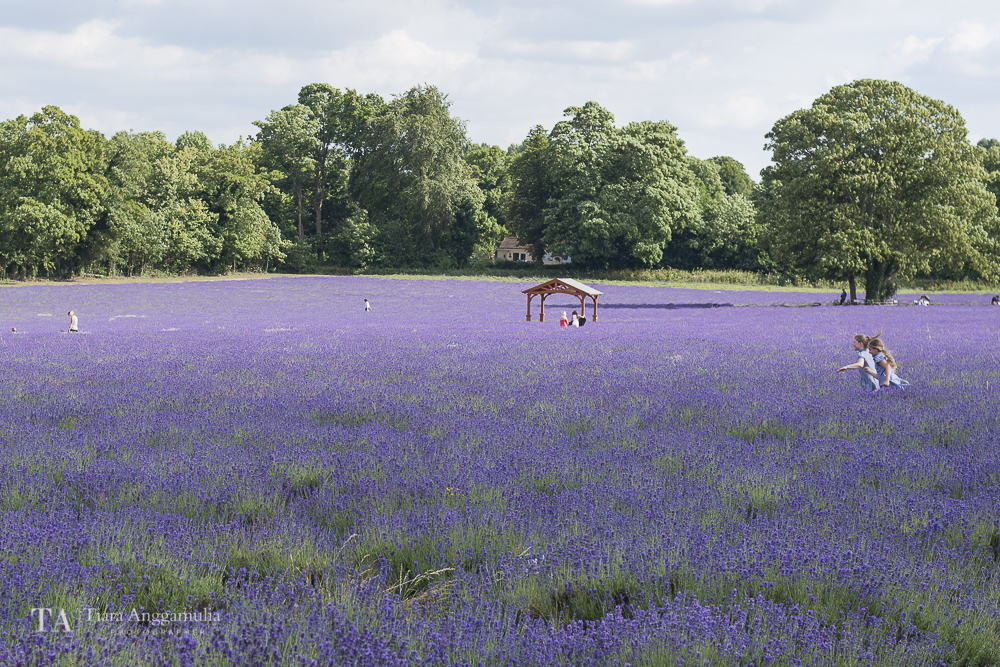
{"x":258,"y":472}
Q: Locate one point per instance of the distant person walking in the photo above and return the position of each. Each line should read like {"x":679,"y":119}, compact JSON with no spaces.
{"x":843,"y":296}
{"x":368,"y":306}
{"x":74,"y":322}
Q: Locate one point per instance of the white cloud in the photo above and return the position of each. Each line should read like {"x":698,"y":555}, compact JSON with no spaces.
{"x":913,"y":50}
{"x":661,"y":3}
{"x":972,"y":37}
{"x":394,"y":59}
{"x":94,"y":45}
{"x":723,"y":71}
{"x":743,"y":110}
{"x":569,"y":50}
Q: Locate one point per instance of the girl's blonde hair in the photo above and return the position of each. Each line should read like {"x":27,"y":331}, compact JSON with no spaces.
{"x":864,"y":340}
{"x":876,"y":344}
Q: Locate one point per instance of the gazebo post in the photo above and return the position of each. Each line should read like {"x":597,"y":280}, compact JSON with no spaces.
{"x":561,"y":286}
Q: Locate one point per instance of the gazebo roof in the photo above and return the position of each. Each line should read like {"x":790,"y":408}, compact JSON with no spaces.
{"x":563,"y":286}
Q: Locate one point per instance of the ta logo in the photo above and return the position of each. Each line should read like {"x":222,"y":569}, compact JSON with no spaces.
{"x":50,"y":619}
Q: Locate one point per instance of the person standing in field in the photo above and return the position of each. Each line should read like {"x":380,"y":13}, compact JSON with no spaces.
{"x":74,"y":322}
{"x":865,"y":364}
{"x":563,"y":321}
{"x":843,"y":296}
{"x":368,"y":306}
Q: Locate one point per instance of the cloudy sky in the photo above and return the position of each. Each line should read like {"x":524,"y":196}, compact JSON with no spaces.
{"x":722,"y":71}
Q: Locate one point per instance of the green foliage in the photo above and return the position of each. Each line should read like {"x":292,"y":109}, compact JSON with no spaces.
{"x":71,"y":199}
{"x":991,"y":163}
{"x":288,"y":140}
{"x":733,"y":175}
{"x":410,"y":176}
{"x":875,"y":180}
{"x":619,"y":193}
{"x":491,"y":166}
{"x":52,"y":192}
{"x":175,"y":207}
{"x":232,"y":189}
{"x":531,"y":189}
{"x":355,"y":241}
{"x":726,"y":234}
{"x":339,"y":122}
{"x":155,"y":216}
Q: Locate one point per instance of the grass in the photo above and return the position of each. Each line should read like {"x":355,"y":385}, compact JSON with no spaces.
{"x":697,"y":279}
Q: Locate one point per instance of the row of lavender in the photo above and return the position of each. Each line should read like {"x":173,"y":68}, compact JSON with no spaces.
{"x":438,"y":480}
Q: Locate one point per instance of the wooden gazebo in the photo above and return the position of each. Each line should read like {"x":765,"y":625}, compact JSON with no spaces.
{"x":563,"y":286}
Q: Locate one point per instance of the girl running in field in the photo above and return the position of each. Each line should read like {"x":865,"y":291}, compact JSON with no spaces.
{"x":884,"y":364}
{"x":865,"y":363}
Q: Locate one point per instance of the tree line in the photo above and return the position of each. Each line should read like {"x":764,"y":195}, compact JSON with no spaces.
{"x":873,"y":184}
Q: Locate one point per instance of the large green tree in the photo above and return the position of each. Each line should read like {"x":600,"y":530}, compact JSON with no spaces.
{"x":177,"y":207}
{"x":620,"y":192}
{"x":339,"y":122}
{"x":232,"y":187}
{"x":411,"y":178}
{"x":877,"y":181}
{"x":289,"y":140}
{"x":52,"y":192}
{"x":491,"y":167}
{"x":531,"y":189}
{"x":726,"y":234}
{"x":157,"y":219}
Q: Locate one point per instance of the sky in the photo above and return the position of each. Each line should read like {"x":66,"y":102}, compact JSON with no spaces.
{"x":722,"y":71}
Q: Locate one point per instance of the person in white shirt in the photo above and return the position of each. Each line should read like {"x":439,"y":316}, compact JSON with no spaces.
{"x":368,"y":306}
{"x":74,"y":322}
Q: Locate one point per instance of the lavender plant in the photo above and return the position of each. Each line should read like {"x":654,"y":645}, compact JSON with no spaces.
{"x":261,"y":473}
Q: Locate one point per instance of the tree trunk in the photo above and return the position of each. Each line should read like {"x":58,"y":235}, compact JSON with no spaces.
{"x":302,"y":231}
{"x":319,"y":194}
{"x":878,"y":280}
{"x":319,"y":231}
{"x":853,"y":284}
